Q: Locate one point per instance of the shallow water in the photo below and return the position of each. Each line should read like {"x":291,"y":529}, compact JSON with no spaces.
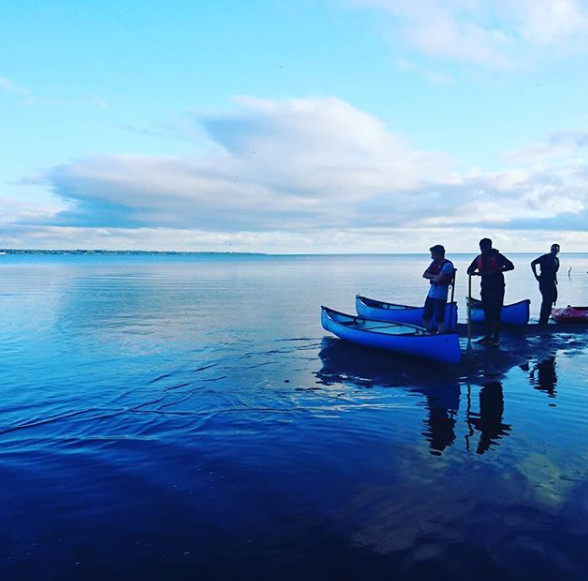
{"x":188,"y":418}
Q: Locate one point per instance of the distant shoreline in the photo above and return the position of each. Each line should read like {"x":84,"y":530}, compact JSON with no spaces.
{"x":99,"y":252}
{"x":125,"y":252}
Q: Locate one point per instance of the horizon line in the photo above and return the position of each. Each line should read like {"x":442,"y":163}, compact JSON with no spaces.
{"x":6,"y":251}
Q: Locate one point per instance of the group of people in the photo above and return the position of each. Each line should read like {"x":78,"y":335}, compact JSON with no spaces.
{"x":490,"y":265}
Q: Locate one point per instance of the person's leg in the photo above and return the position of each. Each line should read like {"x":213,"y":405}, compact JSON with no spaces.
{"x":428,"y":314}
{"x":486,"y":307}
{"x":554,"y":295}
{"x":495,"y":330}
{"x":545,"y":303}
{"x":497,"y":304}
{"x":493,"y":299}
{"x":549,"y":296}
{"x":440,"y":315}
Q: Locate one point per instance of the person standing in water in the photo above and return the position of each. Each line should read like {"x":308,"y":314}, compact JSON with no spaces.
{"x":549,"y":264}
{"x":440,"y":275}
{"x":490,"y":266}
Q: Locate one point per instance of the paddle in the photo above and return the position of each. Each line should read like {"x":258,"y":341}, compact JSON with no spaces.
{"x":469,"y":311}
{"x":450,"y":326}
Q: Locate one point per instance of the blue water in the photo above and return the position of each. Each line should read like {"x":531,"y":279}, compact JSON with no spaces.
{"x":177,"y":417}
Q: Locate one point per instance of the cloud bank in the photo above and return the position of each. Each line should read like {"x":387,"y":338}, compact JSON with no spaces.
{"x":304,"y":173}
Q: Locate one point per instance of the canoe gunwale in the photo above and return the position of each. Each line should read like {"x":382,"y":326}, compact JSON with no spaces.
{"x":376,"y":304}
{"x":479,"y":302}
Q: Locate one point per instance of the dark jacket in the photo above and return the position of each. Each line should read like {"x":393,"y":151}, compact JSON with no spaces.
{"x":549,"y":266}
{"x":490,"y":266}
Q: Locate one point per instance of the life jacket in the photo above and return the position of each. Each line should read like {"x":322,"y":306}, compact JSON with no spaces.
{"x":488,"y":264}
{"x":435,"y":269}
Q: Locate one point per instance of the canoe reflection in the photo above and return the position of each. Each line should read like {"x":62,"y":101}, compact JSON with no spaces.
{"x":344,"y":363}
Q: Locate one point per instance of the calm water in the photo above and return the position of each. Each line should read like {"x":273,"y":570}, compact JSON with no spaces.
{"x":188,"y":418}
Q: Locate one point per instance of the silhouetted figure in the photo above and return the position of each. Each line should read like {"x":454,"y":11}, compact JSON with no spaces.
{"x":490,"y":266}
{"x":547,"y":278}
{"x":489,"y":421}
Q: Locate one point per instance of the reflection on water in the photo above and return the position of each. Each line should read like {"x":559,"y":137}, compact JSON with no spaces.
{"x":442,"y":407}
{"x":488,"y":421}
{"x":272,"y":451}
{"x":348,"y":364}
{"x":544,"y":377}
{"x":525,"y":353}
{"x":440,"y":387}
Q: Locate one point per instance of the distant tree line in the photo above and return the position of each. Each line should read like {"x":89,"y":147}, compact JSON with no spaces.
{"x":139,"y":252}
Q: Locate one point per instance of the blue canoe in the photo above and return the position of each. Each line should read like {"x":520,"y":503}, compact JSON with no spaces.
{"x":373,"y":309}
{"x":514,"y":314}
{"x":396,"y":337}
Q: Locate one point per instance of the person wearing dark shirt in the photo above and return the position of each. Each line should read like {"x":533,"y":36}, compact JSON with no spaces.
{"x":549,"y":264}
{"x":490,"y":266}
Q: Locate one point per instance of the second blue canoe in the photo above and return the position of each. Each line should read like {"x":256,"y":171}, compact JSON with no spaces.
{"x":513,"y":314}
{"x":373,"y":309}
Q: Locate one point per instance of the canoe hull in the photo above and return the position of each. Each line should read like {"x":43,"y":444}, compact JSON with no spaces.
{"x":391,"y":336}
{"x":379,"y":310}
{"x":514,"y":314}
{"x":569,"y":314}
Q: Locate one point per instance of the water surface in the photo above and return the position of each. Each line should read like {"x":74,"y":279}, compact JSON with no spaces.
{"x":187,"y":418}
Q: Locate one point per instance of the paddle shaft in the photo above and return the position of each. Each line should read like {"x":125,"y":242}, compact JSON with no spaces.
{"x":469,"y":311}
{"x":449,"y":328}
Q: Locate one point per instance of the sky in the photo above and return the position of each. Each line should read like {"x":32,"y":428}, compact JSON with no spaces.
{"x":294,"y":126}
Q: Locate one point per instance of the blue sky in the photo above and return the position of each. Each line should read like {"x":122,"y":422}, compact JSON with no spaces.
{"x":293,"y":126}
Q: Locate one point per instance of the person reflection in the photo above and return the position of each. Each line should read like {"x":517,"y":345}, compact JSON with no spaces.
{"x":544,"y":377}
{"x":440,"y":424}
{"x":489,"y":421}
{"x":343,"y":363}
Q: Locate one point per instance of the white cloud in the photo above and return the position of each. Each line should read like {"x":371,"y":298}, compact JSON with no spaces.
{"x":562,"y":144}
{"x":31,"y":99}
{"x":551,"y":22}
{"x":14,"y":211}
{"x":432,"y":76}
{"x":499,"y":34}
{"x":278,"y":165}
{"x":8,"y":86}
{"x":300,"y":175}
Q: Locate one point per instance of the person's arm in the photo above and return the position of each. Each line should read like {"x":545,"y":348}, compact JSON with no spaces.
{"x":472,"y":268}
{"x":534,"y":264}
{"x":506,"y":264}
{"x":445,"y":276}
{"x":427,"y":274}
